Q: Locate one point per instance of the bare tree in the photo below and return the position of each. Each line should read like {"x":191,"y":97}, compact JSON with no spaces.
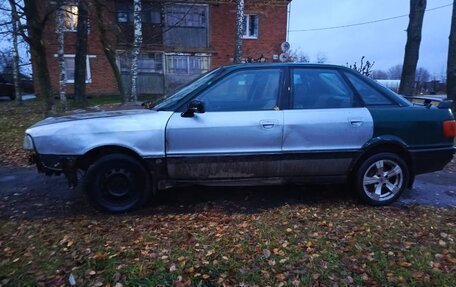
{"x":137,"y":23}
{"x":321,"y":58}
{"x":239,"y":31}
{"x":80,"y":59}
{"x":422,"y":75}
{"x":412,"y":47}
{"x":451,"y":63}
{"x":297,"y":56}
{"x":364,"y":68}
{"x":15,"y":24}
{"x":34,"y":37}
{"x":104,"y":28}
{"x":395,"y":72}
{"x":379,"y":75}
{"x":61,"y":57}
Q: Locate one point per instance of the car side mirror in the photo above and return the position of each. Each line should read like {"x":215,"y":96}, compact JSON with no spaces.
{"x":194,"y":106}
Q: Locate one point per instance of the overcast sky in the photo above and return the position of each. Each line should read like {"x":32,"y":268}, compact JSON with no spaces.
{"x":382,"y":42}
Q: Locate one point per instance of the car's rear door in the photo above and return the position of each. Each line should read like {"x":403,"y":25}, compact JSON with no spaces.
{"x":324,"y":127}
{"x":238,"y":136}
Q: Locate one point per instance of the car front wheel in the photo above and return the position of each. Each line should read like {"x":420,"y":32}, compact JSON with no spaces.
{"x":381,"y":178}
{"x":117,"y":183}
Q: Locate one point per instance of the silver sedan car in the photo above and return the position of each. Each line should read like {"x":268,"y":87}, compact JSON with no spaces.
{"x":251,"y":124}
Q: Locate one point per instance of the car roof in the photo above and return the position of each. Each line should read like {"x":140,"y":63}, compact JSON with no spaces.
{"x":271,"y":65}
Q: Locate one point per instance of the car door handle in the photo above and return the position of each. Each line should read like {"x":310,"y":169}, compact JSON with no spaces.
{"x":268,"y":124}
{"x":356,"y":122}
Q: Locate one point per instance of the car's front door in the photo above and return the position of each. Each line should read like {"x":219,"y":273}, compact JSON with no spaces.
{"x":238,"y":136}
{"x":325,"y":126}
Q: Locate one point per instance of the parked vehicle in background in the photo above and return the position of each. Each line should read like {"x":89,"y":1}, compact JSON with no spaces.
{"x":7,"y":85}
{"x":251,"y":124}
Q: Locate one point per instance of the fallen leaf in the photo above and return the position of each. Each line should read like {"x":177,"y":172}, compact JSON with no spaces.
{"x":280,"y":277}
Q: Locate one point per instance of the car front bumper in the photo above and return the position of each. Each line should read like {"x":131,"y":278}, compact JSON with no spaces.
{"x":56,"y":165}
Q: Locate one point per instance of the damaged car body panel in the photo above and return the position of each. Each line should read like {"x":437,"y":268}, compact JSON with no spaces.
{"x":250,"y":125}
{"x":59,"y":143}
{"x":142,"y":132}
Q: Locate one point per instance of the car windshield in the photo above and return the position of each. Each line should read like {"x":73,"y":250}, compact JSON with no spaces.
{"x":172,"y":101}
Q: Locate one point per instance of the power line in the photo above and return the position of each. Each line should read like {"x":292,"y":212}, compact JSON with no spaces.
{"x":366,"y":23}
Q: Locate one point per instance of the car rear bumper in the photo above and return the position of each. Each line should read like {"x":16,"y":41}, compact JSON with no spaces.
{"x":430,"y":160}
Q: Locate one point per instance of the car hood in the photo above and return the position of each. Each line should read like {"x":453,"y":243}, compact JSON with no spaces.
{"x":86,"y":116}
{"x":139,"y":130}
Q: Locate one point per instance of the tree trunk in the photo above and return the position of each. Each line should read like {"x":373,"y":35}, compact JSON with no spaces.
{"x":412,"y":47}
{"x":137,"y":22}
{"x":38,"y":52}
{"x":15,"y":20}
{"x":80,"y":59}
{"x":110,"y":53}
{"x":239,"y":33}
{"x":61,"y":58}
{"x":451,"y":64}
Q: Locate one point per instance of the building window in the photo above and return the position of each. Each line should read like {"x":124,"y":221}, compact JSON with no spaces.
{"x":187,"y":64}
{"x":150,"y":14}
{"x":70,"y":67}
{"x":186,"y":15}
{"x":250,"y":27}
{"x":186,"y":26}
{"x":123,"y":17}
{"x":70,"y":21}
{"x":148,"y":63}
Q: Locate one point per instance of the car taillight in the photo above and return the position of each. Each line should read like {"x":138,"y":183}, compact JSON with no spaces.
{"x":449,"y":129}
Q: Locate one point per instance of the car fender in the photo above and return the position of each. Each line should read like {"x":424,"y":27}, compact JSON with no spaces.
{"x":389,"y":143}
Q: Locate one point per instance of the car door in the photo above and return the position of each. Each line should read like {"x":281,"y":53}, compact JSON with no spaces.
{"x":325,"y":126}
{"x":238,"y":136}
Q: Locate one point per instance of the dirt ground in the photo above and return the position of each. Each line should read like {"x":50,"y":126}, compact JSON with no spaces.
{"x":24,"y":193}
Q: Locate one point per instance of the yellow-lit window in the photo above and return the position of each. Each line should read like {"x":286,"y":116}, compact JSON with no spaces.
{"x":70,"y":21}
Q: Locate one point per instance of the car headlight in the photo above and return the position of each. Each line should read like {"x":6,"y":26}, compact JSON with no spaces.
{"x":28,"y":143}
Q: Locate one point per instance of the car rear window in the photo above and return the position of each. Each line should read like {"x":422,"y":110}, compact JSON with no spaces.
{"x":369,"y":95}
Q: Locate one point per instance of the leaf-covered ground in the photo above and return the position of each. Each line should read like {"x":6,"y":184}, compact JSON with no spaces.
{"x":340,"y":244}
{"x":13,"y":122}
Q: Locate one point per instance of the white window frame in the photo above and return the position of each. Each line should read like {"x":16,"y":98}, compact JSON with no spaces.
{"x":88,"y":74}
{"x":247,"y":27}
{"x":187,"y":60}
{"x":159,"y":58}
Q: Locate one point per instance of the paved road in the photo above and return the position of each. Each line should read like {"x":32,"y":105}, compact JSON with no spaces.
{"x":26,"y":194}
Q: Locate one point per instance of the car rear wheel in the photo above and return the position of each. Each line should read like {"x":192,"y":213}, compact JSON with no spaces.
{"x":381,"y":178}
{"x":117,"y":183}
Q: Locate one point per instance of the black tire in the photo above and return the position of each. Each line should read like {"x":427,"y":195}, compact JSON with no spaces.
{"x":381,"y":178}
{"x":117,"y":183}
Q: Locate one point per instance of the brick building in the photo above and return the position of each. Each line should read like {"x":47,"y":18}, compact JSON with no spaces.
{"x":181,"y":40}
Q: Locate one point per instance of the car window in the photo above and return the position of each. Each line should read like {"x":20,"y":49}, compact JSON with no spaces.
{"x":172,"y":101}
{"x":319,"y":89}
{"x":369,"y":95}
{"x":247,"y":90}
